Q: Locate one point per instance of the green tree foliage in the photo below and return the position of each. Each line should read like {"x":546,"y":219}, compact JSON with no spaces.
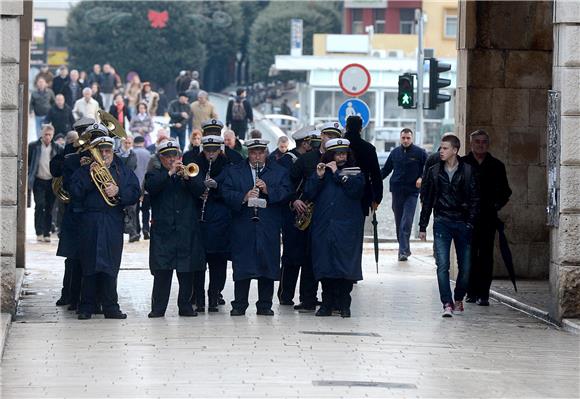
{"x":270,"y":33}
{"x":222,"y":28}
{"x":120,"y":32}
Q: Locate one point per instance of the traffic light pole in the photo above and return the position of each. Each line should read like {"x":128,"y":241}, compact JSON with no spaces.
{"x":419,"y":133}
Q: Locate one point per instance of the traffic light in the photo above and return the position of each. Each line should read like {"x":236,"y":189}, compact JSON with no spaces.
{"x":406,"y":96}
{"x":435,"y":83}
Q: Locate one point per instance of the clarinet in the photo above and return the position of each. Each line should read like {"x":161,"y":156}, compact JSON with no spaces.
{"x":256,"y":218}
{"x":206,"y":194}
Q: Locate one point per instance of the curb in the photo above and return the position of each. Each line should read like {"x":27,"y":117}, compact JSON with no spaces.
{"x":5,"y":321}
{"x":571,"y":326}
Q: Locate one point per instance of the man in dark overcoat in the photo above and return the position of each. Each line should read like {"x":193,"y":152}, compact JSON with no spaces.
{"x":215,"y":221}
{"x":255,"y":232}
{"x":336,"y":224}
{"x":176,"y":242}
{"x":100,"y":238}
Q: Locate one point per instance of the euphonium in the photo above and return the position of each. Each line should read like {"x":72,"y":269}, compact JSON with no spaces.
{"x":59,"y":191}
{"x":302,"y":220}
{"x":101,"y":176}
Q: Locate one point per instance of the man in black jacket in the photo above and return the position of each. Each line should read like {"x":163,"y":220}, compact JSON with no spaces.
{"x":179,"y":114}
{"x":406,"y":162}
{"x":40,"y":154}
{"x":60,"y":116}
{"x":451,"y":192}
{"x":239,"y":113}
{"x":365,"y":155}
{"x":495,"y":193}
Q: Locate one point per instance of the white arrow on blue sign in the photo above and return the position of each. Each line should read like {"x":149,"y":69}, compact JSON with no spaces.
{"x":354,"y":106}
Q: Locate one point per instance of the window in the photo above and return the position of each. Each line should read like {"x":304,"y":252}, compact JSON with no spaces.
{"x":357,"y":21}
{"x":55,"y":37}
{"x":379,"y":15}
{"x":450,"y":26}
{"x":407,"y":21}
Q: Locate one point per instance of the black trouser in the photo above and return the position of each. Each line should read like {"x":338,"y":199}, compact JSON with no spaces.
{"x":144,"y":207}
{"x":102,"y":286}
{"x":481,"y":272}
{"x":217,"y":264}
{"x":71,"y":282}
{"x":131,"y":223}
{"x":336,"y":293}
{"x":242,"y":290}
{"x":162,"y":289}
{"x":44,"y":201}
{"x":308,"y":285}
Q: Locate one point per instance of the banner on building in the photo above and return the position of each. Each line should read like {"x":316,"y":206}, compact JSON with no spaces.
{"x":296,"y":35}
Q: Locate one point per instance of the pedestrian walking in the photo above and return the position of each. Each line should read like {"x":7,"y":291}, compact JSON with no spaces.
{"x":41,"y":100}
{"x":60,"y":80}
{"x":452,"y":194}
{"x":149,"y":97}
{"x":179,"y":114}
{"x":86,"y":107}
{"x":239,"y":114}
{"x":494,"y":193}
{"x":202,"y":110}
{"x":60,"y":116}
{"x":73,"y":88}
{"x":142,"y":123}
{"x":406,"y":162}
{"x":107,"y":85}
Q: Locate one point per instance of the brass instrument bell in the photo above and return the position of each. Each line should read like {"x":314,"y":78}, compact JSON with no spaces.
{"x":112,"y":124}
{"x":191,"y":169}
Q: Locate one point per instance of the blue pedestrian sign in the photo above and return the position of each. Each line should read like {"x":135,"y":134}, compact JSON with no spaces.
{"x":354,"y":106}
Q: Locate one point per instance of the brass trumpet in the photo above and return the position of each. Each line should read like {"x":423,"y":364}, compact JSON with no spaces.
{"x":189,"y":170}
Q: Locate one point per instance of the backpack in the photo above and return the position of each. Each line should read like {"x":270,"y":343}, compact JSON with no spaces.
{"x":238,"y":111}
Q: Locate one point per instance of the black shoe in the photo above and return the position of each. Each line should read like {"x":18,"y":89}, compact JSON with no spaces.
{"x":237,"y":312}
{"x":188,"y":313}
{"x":62,"y":301}
{"x":117,"y":315}
{"x":154,"y":315}
{"x":265,"y":312}
{"x":72,"y":306}
{"x":302,"y":305}
{"x":403,"y":258}
{"x":324,"y":312}
{"x":470,"y":299}
{"x":307,"y":309}
{"x":482,"y":302}
{"x":286,"y":303}
{"x":84,"y":316}
{"x":200,"y":309}
{"x":212,"y":309}
{"x":145,"y":235}
{"x":221,"y":299}
{"x":99,"y":309}
{"x":345,"y":313}
{"x":134,"y":238}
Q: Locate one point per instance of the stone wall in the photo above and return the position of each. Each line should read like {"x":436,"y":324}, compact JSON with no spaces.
{"x":10,"y":13}
{"x":565,"y":240}
{"x":504,"y":72}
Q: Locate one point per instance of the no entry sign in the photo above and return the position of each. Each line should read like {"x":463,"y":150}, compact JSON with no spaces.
{"x":354,"y":79}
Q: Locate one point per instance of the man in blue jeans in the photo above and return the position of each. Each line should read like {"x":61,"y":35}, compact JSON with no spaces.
{"x":406,"y":162}
{"x":452,"y":192}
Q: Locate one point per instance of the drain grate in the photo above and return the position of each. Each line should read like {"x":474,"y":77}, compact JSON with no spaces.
{"x":372,"y":384}
{"x":345,"y":333}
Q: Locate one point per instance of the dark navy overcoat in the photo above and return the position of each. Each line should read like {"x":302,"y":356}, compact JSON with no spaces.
{"x":176,"y":242}
{"x":336,"y":226}
{"x":256,"y":245}
{"x":100,"y":236}
{"x":68,"y":238}
{"x":218,"y":216}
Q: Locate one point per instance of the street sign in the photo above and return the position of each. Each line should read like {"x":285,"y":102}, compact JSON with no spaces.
{"x":354,"y":80}
{"x":354,"y":106}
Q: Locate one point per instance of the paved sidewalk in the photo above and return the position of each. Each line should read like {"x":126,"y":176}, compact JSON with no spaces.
{"x":395,"y":345}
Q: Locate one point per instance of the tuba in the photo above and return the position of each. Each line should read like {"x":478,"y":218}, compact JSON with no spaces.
{"x":59,"y":191}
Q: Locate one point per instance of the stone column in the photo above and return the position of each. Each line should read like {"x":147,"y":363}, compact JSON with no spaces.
{"x":10,"y":13}
{"x":565,"y":239}
{"x":504,"y":72}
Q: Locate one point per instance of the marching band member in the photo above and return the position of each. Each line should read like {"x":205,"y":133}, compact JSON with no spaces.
{"x":336,"y":225}
{"x":213,"y":127}
{"x":294,"y":240}
{"x":176,"y":242}
{"x":302,"y":169}
{"x":215,"y":221}
{"x":100,"y":239}
{"x":256,"y":191}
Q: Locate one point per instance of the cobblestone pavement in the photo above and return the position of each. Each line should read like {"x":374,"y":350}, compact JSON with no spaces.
{"x":395,"y":345}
